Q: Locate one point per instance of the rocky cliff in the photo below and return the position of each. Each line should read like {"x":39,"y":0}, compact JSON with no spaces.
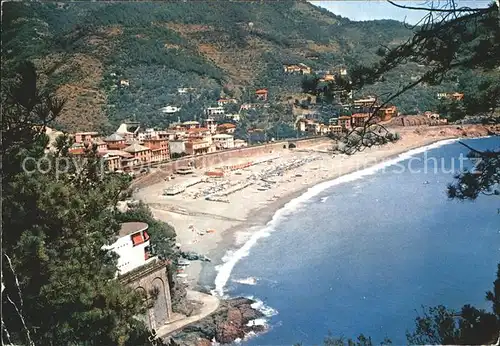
{"x":230,"y":322}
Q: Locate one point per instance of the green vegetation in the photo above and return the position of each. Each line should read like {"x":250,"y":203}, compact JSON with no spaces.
{"x":159,"y":47}
{"x":58,"y":285}
{"x":463,"y":45}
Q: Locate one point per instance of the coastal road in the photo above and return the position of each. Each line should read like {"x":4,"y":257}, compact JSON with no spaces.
{"x":173,"y":209}
{"x":210,"y":304}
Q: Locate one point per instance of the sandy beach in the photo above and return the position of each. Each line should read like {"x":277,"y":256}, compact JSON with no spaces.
{"x":211,"y":227}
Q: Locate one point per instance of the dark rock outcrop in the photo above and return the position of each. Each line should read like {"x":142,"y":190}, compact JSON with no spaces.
{"x":225,"y":325}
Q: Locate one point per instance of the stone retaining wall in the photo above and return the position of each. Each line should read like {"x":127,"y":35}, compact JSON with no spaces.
{"x":163,"y":170}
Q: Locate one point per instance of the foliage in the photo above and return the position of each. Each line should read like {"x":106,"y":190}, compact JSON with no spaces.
{"x":152,"y":46}
{"x":58,"y":282}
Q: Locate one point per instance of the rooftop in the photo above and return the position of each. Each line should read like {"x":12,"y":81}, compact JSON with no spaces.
{"x":117,"y":153}
{"x":222,"y":136}
{"x":228,"y":125}
{"x":134,"y":148}
{"x":113,"y":138}
{"x":361,"y":115}
{"x":92,"y":133}
{"x":128,"y":228}
{"x":199,"y":129}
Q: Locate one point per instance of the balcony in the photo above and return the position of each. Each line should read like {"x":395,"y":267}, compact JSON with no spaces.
{"x":139,"y":238}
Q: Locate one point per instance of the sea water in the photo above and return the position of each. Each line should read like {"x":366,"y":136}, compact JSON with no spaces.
{"x":364,"y":253}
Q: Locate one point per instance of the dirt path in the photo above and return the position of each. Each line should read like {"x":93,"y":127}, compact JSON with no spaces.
{"x":210,"y":304}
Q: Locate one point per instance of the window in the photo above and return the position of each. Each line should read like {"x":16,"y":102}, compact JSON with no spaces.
{"x":137,"y":239}
{"x":146,"y":236}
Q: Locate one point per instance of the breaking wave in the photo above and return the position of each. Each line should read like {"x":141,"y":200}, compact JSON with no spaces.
{"x":232,"y":257}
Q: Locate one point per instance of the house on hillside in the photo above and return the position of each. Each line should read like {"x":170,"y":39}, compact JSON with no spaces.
{"x":214,"y":111}
{"x":159,"y":149}
{"x":124,"y":83}
{"x":387,"y":113}
{"x":86,"y":137}
{"x":211,"y":125}
{"x":197,"y":147}
{"x":115,"y":142}
{"x":176,"y":147}
{"x":170,"y":109}
{"x":359,"y":119}
{"x":261,"y":94}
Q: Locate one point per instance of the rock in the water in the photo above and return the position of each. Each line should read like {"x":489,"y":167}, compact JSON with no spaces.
{"x":226,"y":324}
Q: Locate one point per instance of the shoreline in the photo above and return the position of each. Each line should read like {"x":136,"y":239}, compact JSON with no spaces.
{"x":249,"y":211}
{"x":265,"y":215}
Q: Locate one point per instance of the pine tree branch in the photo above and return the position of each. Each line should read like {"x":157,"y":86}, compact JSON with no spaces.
{"x":451,"y":10}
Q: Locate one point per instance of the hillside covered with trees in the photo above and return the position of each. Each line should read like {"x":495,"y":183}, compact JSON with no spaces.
{"x":220,"y":49}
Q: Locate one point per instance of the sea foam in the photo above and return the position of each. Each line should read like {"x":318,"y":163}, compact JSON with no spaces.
{"x":232,"y":257}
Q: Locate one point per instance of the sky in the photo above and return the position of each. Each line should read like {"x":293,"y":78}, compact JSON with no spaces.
{"x":380,"y":9}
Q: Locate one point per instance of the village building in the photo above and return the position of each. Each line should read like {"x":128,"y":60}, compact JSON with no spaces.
{"x":115,"y":141}
{"x":177,"y":147}
{"x":211,"y":125}
{"x":126,"y":160}
{"x":197,"y":147}
{"x":140,"y":152}
{"x":261,"y":94}
{"x":132,"y":246}
{"x":246,"y":107}
{"x":431,"y":115}
{"x":369,"y":102}
{"x":185,"y":90}
{"x":335,"y":129}
{"x":144,"y":272}
{"x":345,"y":122}
{"x":214,"y":111}
{"x":234,"y":117}
{"x":359,"y":119}
{"x":240,"y":143}
{"x":226,"y":128}
{"x":199,"y":133}
{"x":159,"y":149}
{"x":86,"y":137}
{"x":327,"y":78}
{"x":170,"y":109}
{"x":52,"y":134}
{"x":124,"y":82}
{"x":190,"y":125}
{"x":451,"y":96}
{"x":112,"y":162}
{"x":297,"y":68}
{"x":387,"y":113}
{"x":99,"y":144}
{"x":129,"y":130}
{"x":223,"y":101}
{"x":223,"y":141}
